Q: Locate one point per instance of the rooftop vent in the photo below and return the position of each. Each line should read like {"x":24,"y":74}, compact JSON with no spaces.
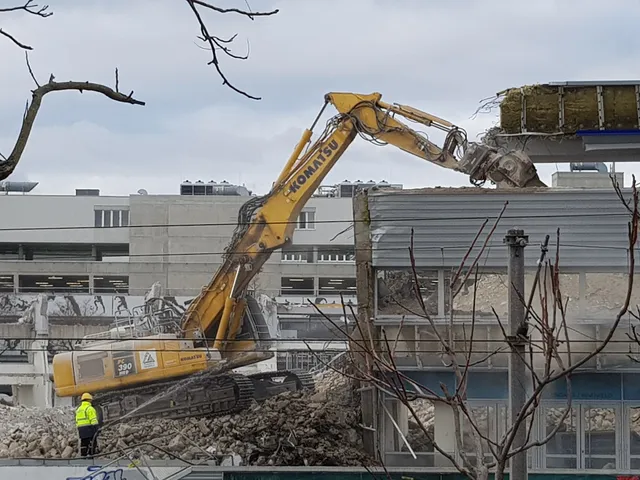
{"x":87,"y":192}
{"x":212,"y":188}
{"x":21,"y":187}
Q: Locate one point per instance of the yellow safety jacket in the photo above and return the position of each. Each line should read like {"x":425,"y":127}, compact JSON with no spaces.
{"x":86,"y":415}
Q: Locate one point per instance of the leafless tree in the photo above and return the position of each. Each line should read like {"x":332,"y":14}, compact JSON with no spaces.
{"x":549,"y":356}
{"x":215,"y":44}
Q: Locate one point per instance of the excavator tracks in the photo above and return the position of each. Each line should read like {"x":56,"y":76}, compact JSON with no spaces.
{"x":265,"y":384}
{"x":200,"y":395}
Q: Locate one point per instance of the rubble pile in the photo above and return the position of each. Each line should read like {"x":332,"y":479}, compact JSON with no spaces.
{"x":604,"y":293}
{"x":419,"y":441}
{"x":319,"y":428}
{"x":34,"y":432}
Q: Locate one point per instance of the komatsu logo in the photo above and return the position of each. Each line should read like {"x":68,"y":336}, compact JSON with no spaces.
{"x":313,"y":166}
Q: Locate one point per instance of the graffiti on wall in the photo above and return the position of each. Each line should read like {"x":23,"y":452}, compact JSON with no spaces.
{"x":96,"y":472}
{"x":91,"y":472}
{"x":15,"y":305}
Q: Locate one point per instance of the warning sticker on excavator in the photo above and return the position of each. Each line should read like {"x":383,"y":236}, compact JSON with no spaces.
{"x":148,"y":359}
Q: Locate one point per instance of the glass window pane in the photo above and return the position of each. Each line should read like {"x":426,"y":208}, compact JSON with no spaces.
{"x":125,"y":218}
{"x":484,"y":419}
{"x":562,"y":449}
{"x":600,"y":437}
{"x":634,"y":435}
{"x":97,"y":218}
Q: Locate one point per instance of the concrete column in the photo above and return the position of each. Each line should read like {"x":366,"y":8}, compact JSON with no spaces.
{"x":39,"y":391}
{"x":23,"y":395}
{"x":42,"y":389}
{"x":582,"y":294}
{"x":444,"y":433}
{"x":394,"y":425}
{"x":441,"y":295}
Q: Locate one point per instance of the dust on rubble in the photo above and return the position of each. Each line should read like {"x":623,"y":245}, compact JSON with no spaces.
{"x":294,"y":429}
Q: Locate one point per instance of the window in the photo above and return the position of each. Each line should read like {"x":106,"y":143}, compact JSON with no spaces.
{"x":562,"y":450}
{"x":293,"y":257}
{"x":336,"y":286}
{"x":296,"y":286}
{"x":335,"y":255}
{"x":634,"y":438}
{"x":6,"y":283}
{"x":111,"y":217}
{"x":306,"y":220}
{"x":297,"y":254}
{"x":599,"y":437}
{"x":111,"y":284}
{"x":587,"y":439}
{"x":54,"y":283}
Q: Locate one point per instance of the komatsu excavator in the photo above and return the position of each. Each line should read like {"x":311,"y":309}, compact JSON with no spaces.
{"x":171,"y":366}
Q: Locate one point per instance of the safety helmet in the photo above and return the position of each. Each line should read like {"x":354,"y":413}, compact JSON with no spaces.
{"x":86,"y":396}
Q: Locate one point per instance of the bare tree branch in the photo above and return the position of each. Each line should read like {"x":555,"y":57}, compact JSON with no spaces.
{"x":28,"y":7}
{"x":9,"y":163}
{"x":217,"y":44}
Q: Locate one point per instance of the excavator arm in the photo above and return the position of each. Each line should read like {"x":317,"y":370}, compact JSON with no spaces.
{"x":267,"y":223}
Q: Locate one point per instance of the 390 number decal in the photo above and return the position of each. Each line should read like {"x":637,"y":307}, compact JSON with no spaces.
{"x":123,"y":364}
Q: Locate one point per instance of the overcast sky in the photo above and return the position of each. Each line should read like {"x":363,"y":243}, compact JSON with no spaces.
{"x":440,"y":56}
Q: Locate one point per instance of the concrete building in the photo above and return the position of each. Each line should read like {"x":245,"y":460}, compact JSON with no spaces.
{"x":96,"y":256}
{"x":593,"y":259}
{"x":95,"y":244}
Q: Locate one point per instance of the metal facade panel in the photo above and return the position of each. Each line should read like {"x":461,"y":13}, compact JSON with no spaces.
{"x":593,"y":226}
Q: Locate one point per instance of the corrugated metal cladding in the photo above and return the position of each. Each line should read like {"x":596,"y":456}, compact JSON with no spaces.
{"x":593,"y":226}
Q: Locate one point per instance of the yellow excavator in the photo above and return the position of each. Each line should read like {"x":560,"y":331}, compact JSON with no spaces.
{"x":178,"y":366}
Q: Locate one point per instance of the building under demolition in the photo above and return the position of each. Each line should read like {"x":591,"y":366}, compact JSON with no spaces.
{"x":601,"y":430}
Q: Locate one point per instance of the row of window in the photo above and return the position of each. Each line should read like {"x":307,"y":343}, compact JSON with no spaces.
{"x":326,"y":286}
{"x":78,"y":284}
{"x":111,"y":217}
{"x":119,"y":217}
{"x":300,"y":254}
{"x":591,"y":436}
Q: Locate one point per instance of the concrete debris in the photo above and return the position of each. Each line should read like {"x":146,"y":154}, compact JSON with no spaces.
{"x":604,"y":294}
{"x":292,"y":429}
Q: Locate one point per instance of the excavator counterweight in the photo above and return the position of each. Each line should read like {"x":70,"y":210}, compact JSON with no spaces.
{"x":183,"y":363}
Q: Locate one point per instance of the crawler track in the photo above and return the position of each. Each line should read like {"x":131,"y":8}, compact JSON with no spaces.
{"x":200,"y":395}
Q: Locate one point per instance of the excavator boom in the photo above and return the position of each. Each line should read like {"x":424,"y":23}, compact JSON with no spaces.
{"x":267,"y":223}
{"x":218,"y":332}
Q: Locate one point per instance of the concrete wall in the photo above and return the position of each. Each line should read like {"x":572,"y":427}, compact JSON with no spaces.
{"x":172,"y":239}
{"x":584,"y":179}
{"x":201,"y":227}
{"x":337,"y":211}
{"x":44,"y":211}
